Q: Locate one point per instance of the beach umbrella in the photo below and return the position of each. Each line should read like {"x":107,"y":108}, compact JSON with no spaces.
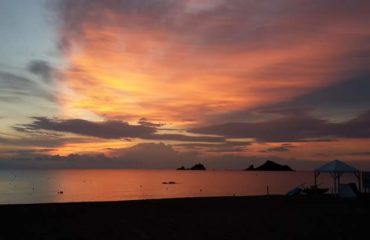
{"x":336,"y":168}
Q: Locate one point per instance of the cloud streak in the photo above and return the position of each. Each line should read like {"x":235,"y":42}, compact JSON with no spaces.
{"x":14,"y":87}
{"x":292,"y":129}
{"x":107,"y":130}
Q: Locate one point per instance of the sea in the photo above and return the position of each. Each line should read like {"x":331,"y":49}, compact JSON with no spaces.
{"x":51,"y":186}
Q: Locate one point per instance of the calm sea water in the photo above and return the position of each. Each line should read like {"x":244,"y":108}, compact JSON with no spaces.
{"x":30,"y":186}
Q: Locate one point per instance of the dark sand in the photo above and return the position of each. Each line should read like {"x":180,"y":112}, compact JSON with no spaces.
{"x":273,"y":217}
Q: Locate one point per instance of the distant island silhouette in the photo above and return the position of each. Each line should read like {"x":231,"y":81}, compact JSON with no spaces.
{"x":270,"y":166}
{"x":198,"y":166}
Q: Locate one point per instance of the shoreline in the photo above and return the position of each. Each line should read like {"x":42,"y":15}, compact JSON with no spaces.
{"x":257,"y":217}
{"x":270,"y":197}
{"x":145,"y":200}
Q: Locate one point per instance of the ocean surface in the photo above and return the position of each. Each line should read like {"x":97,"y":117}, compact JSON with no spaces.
{"x":42,"y":186}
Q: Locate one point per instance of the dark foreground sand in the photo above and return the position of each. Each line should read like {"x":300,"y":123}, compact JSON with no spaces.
{"x":273,"y":217}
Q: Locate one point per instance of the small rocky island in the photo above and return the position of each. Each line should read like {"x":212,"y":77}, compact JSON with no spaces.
{"x":270,"y":166}
{"x":198,"y":166}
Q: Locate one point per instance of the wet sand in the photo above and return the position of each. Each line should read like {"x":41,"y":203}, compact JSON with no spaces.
{"x":265,"y":217}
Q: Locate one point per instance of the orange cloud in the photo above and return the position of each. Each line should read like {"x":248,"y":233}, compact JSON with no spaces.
{"x":183,"y":62}
{"x":131,"y":64}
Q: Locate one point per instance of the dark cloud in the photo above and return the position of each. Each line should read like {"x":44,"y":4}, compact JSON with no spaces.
{"x":359,"y":154}
{"x":42,"y":69}
{"x":218,"y":147}
{"x":285,"y":129}
{"x":358,"y":127}
{"x":286,"y":111}
{"x":346,"y":154}
{"x":282,"y":148}
{"x":348,"y":94}
{"x":145,"y":122}
{"x":292,"y":128}
{"x":181,"y":137}
{"x":106,"y":130}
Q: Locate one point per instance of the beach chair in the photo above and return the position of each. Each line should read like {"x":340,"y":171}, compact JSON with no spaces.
{"x":348,"y":191}
{"x":294,"y":192}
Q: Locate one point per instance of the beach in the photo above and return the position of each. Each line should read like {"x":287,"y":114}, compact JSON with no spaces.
{"x":261,"y":217}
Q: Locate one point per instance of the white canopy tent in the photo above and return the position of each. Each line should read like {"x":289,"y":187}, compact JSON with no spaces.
{"x":336,"y":168}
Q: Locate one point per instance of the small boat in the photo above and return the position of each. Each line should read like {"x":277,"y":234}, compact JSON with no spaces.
{"x":315,"y":190}
{"x":170,"y":182}
{"x":294,"y":192}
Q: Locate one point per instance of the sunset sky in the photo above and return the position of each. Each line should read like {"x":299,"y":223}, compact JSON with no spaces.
{"x":165,"y":83}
